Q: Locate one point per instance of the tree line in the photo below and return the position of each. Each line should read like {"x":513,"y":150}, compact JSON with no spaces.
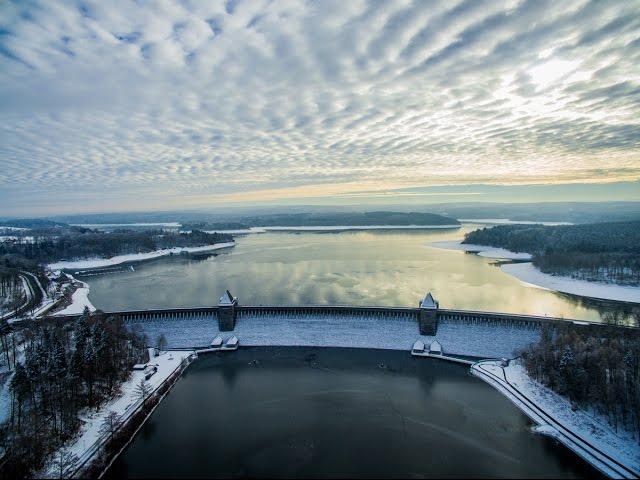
{"x":61,"y":372}
{"x":597,"y":251}
{"x":597,"y":368}
{"x":86,"y":243}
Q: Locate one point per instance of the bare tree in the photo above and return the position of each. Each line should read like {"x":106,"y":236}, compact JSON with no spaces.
{"x":64,"y":461}
{"x":161,"y":342}
{"x":143,"y":390}
{"x":110,"y":424}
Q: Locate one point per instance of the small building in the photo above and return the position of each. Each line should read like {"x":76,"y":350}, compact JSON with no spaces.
{"x":435,"y":348}
{"x":418,"y":347}
{"x":232,"y":343}
{"x":140,"y":366}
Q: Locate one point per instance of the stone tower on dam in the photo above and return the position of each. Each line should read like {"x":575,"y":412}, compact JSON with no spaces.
{"x":428,"y":315}
{"x":227,"y":312}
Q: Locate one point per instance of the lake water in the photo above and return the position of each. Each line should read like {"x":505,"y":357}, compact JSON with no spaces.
{"x":394,"y":268}
{"x":304,"y":412}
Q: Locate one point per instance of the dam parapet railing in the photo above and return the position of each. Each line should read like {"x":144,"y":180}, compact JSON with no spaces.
{"x":427,"y":316}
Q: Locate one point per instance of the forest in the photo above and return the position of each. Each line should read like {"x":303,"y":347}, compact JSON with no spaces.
{"x":86,"y":243}
{"x":59,"y":372}
{"x":596,"y":251}
{"x":597,"y":370}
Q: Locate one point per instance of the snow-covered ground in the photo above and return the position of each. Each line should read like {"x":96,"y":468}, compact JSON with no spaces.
{"x":482,"y":250}
{"x":528,"y":273}
{"x":133,"y":257}
{"x":124,"y":225}
{"x":240,"y":231}
{"x":79,"y":300}
{"x":13,"y":238}
{"x":556,"y":417}
{"x":27,"y":293}
{"x":459,"y":338}
{"x":125,"y":404}
{"x":506,"y":221}
{"x":5,"y":395}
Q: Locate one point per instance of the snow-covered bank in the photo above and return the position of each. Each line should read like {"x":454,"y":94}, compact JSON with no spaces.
{"x":339,"y":228}
{"x":528,"y":273}
{"x":506,"y":221}
{"x":588,"y":435}
{"x":133,"y":257}
{"x":91,"y":436}
{"x":482,"y":250}
{"x":79,"y":300}
{"x":124,"y":225}
{"x":240,"y":231}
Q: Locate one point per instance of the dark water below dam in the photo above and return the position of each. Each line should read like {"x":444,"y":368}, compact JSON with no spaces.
{"x":312,"y":412}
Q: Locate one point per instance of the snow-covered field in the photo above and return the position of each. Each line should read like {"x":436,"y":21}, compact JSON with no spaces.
{"x":133,"y":257}
{"x":79,"y":300}
{"x":528,"y":273}
{"x":473,"y":339}
{"x":482,"y":250}
{"x":125,"y":404}
{"x":588,"y":427}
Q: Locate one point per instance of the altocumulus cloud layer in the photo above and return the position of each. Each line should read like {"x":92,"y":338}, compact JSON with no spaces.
{"x":111,"y":104}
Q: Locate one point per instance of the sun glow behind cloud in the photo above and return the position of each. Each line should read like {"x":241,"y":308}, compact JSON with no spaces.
{"x":187,"y":103}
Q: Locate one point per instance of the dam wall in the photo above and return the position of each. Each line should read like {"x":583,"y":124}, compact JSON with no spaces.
{"x":487,"y":340}
{"x":460,"y":332}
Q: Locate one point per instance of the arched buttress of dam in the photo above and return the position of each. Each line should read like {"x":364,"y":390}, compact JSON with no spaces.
{"x":460,"y":332}
{"x":338,"y":328}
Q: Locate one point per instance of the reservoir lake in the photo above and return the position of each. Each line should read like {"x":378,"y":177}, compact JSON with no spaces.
{"x":377,"y":267}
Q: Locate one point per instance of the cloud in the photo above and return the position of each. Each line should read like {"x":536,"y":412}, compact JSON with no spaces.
{"x":181,"y":100}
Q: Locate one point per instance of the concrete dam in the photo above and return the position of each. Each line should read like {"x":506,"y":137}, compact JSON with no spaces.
{"x":460,"y":332}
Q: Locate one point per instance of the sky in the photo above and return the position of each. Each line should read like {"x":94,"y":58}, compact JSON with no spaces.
{"x":133,"y":105}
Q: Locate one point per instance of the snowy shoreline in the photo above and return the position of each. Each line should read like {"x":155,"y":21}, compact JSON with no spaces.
{"x":91,"y":438}
{"x":79,"y":300}
{"x":529,"y":274}
{"x":588,"y":435}
{"x":506,"y":221}
{"x":133,"y":257}
{"x":481,"y":250}
{"x":332,"y":228}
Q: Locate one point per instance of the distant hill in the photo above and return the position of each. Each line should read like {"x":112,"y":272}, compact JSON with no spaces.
{"x":573,"y":212}
{"x":351,"y":219}
{"x":32,"y":223}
